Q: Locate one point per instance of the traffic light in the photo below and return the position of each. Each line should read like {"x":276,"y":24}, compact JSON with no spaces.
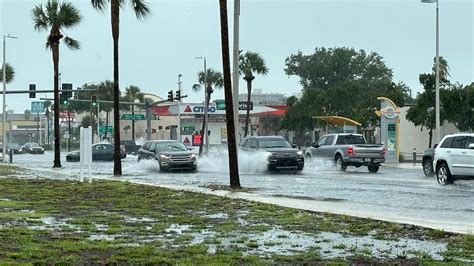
{"x":67,"y":90}
{"x":63,"y":98}
{"x":94,"y":100}
{"x":32,"y":89}
{"x":178,"y":95}
{"x":170,"y":96}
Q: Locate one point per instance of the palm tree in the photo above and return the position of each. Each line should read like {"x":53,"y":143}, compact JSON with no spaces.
{"x":250,"y":63}
{"x":9,"y":71}
{"x":133,"y":94}
{"x":213,"y":78}
{"x":55,"y":17}
{"x":232,"y":146}
{"x":47,"y":104}
{"x":141,"y":11}
{"x":443,"y":68}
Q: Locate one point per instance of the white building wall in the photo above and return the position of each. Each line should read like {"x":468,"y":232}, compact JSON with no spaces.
{"x":413,"y":137}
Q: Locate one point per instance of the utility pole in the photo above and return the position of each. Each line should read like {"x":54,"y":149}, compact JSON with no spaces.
{"x":179,"y":108}
{"x":235,"y":70}
{"x":4,"y":80}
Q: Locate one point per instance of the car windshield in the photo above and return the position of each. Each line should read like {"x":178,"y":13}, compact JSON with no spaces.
{"x":171,"y":146}
{"x":274,"y":143}
{"x":33,"y":145}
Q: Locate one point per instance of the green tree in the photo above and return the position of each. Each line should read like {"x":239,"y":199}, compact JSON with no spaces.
{"x":212,"y":79}
{"x":141,"y":10}
{"x":55,"y":17}
{"x":133,"y":94}
{"x":340,"y":81}
{"x":88,"y":120}
{"x":251,"y":63}
{"x":423,"y":113}
{"x":9,"y":71}
{"x":458,"y":105}
{"x":231,"y":144}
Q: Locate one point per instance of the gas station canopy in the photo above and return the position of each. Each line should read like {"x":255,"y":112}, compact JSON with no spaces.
{"x":338,"y":120}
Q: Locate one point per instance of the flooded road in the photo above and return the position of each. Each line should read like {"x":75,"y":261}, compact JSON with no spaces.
{"x":396,"y":194}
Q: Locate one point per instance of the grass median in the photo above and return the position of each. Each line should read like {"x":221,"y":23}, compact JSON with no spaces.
{"x":54,"y":221}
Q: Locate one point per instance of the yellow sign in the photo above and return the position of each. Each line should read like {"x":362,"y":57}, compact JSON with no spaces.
{"x":223,"y":135}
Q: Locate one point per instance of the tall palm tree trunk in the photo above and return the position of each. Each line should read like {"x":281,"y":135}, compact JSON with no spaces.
{"x":57,"y":137}
{"x":229,"y":108}
{"x":115,"y":10}
{"x":249,"y":95}
{"x":204,"y":121}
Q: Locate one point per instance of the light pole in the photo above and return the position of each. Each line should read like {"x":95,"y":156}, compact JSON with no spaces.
{"x":235,"y":77}
{"x":437,"y":108}
{"x":4,"y":80}
{"x":179,"y":107}
{"x":206,"y":105}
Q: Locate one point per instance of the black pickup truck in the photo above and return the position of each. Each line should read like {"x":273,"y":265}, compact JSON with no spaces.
{"x":130,"y":146}
{"x":280,"y":154}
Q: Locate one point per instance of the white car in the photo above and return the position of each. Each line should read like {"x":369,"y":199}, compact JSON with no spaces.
{"x":454,"y":157}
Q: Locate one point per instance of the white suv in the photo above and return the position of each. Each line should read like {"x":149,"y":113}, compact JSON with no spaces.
{"x":454,"y":157}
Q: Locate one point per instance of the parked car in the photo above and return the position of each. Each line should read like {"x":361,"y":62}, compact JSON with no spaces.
{"x":32,"y":148}
{"x":454,"y":157}
{"x":280,"y":153}
{"x":130,"y":146}
{"x":348,"y":150}
{"x":427,"y":162}
{"x":100,"y":152}
{"x":170,"y":154}
{"x":15,"y":147}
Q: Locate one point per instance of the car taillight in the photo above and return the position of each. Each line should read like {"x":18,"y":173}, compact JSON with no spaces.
{"x":350,"y":150}
{"x":383,"y":151}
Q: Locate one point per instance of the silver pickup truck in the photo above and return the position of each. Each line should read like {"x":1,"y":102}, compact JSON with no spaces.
{"x":348,"y":150}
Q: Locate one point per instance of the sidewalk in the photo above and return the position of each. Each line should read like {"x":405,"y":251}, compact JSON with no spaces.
{"x":404,"y":165}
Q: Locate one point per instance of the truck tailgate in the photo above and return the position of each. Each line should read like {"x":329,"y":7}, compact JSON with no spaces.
{"x":368,"y":151}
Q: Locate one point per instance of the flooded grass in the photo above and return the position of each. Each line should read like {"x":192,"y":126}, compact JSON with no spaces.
{"x":51,"y":221}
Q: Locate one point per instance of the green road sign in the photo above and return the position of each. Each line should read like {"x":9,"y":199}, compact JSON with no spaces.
{"x":133,"y":117}
{"x":220,"y":104}
{"x":110,"y":130}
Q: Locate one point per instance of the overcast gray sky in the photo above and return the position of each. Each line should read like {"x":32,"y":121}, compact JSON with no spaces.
{"x":154,"y":52}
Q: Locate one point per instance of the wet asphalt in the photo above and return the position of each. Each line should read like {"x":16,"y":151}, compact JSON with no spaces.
{"x":395,"y":193}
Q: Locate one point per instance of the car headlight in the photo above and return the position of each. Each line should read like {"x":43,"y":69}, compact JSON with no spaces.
{"x":164,"y":157}
{"x":268,"y":155}
{"x":300,"y":153}
{"x":193,"y":156}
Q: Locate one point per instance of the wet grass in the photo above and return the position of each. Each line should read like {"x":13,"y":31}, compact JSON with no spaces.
{"x":119,"y":222}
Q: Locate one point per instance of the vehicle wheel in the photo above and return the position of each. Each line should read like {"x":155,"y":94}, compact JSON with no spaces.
{"x":428,"y":167}
{"x":373,"y":168}
{"x":139,"y":158}
{"x":443,"y":175}
{"x":340,"y":165}
{"x":308,"y":157}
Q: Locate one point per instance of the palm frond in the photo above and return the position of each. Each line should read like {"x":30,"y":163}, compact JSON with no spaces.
{"x":52,"y":10}
{"x":10,"y":73}
{"x":141,"y":9}
{"x":40,"y":21}
{"x":68,"y":15}
{"x":71,"y":43}
{"x":99,"y":5}
{"x":196,"y":87}
{"x":250,"y":63}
